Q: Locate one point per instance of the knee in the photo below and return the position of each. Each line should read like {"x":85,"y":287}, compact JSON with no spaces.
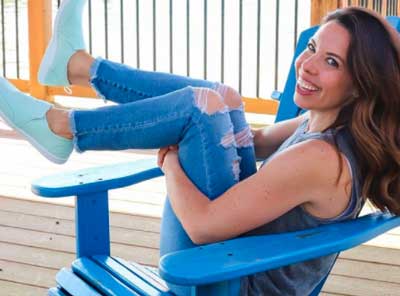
{"x":208,"y":100}
{"x":231,"y":97}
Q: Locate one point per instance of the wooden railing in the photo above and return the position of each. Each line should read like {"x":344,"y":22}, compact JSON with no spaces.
{"x":319,"y":8}
{"x":40,"y":18}
{"x":39,"y":22}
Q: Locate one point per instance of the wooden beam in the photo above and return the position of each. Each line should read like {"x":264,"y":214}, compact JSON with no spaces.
{"x":39,"y":18}
{"x":320,"y":8}
{"x":76,"y":91}
{"x":252,"y":105}
{"x":22,"y":85}
{"x":398,"y":8}
{"x":261,"y":106}
{"x":370,"y":4}
{"x":344,"y":3}
{"x":384,"y":8}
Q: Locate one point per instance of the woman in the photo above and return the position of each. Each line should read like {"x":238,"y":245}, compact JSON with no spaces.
{"x":319,"y":167}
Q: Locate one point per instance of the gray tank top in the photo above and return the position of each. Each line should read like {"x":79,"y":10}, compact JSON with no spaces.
{"x":302,"y":278}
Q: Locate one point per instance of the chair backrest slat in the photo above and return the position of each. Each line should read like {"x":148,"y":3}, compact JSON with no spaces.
{"x":287,"y":107}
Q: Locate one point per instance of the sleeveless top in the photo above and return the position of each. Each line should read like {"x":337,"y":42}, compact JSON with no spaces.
{"x":301,"y":278}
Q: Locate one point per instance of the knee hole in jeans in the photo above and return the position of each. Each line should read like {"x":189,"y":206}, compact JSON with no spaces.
{"x":236,"y":169}
{"x":228,"y":140}
{"x":244,"y":138}
{"x":231,"y":97}
{"x":209,"y":101}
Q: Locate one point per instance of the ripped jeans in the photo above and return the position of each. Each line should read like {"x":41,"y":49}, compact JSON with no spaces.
{"x":158,"y":109}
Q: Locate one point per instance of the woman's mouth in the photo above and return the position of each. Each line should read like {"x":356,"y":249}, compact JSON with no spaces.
{"x":305,"y":88}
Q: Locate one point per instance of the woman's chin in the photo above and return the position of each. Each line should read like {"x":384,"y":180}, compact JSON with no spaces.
{"x":300,"y":101}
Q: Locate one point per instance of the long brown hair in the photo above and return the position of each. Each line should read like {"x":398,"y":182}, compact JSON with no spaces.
{"x":373,"y":114}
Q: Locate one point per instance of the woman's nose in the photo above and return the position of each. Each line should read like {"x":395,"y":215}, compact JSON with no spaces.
{"x":309,"y":64}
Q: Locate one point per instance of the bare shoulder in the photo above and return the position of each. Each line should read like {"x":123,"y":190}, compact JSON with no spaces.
{"x":303,"y":175}
{"x":312,"y":156}
{"x":313,"y":167}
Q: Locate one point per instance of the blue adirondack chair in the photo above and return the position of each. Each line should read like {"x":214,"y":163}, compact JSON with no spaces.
{"x":212,"y":269}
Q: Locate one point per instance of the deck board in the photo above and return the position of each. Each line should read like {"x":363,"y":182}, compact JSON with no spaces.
{"x":67,"y":227}
{"x":11,"y":289}
{"x":37,"y":234}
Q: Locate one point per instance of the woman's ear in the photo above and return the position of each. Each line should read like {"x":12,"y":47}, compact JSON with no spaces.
{"x":355,"y":94}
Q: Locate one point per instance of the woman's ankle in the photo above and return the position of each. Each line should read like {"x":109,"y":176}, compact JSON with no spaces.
{"x":58,"y":121}
{"x":79,"y":68}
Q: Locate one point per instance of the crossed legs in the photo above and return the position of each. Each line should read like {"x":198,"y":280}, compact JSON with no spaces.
{"x":123,"y":84}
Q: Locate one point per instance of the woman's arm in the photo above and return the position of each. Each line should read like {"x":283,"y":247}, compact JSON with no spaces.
{"x":305,"y":174}
{"x":267,"y":140}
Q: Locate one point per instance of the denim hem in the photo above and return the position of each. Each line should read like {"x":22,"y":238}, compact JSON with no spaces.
{"x":240,"y":108}
{"x":94,"y":67}
{"x":93,"y":75}
{"x":72,"y":125}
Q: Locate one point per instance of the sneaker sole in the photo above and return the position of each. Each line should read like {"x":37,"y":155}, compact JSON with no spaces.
{"x":34,"y":143}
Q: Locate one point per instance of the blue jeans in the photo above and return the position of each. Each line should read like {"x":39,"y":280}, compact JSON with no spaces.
{"x":157,"y":110}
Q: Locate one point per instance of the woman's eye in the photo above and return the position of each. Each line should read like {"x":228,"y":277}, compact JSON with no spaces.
{"x":332,"y":62}
{"x":311,"y":47}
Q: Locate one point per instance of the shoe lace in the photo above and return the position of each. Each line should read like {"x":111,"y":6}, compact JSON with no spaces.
{"x":67,"y":90}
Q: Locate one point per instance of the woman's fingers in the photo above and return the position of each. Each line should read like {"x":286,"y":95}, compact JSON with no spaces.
{"x":163,"y":152}
{"x":161,"y":156}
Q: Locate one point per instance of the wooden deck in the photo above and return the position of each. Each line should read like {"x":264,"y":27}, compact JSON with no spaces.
{"x":37,"y":235}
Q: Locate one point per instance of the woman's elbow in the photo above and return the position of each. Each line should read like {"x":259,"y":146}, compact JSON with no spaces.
{"x":197,"y":235}
{"x":200,"y":234}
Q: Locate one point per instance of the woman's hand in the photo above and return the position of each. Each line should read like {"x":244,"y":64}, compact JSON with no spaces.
{"x":168,"y":158}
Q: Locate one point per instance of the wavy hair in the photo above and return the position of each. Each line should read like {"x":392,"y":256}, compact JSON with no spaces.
{"x":373,"y":114}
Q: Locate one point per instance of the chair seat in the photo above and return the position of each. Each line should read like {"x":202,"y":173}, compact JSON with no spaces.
{"x":104,"y":275}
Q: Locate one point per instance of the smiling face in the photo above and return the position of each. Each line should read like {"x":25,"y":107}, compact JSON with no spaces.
{"x":323,"y":80}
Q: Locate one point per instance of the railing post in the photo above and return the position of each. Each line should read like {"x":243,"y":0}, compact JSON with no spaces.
{"x":319,"y":8}
{"x":39,"y":18}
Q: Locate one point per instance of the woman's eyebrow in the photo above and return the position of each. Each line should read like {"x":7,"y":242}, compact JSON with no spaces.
{"x":336,"y":56}
{"x":329,"y":53}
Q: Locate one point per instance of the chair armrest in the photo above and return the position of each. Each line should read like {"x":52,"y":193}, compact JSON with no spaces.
{"x":96,"y":179}
{"x":276,"y":95}
{"x":243,"y":256}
